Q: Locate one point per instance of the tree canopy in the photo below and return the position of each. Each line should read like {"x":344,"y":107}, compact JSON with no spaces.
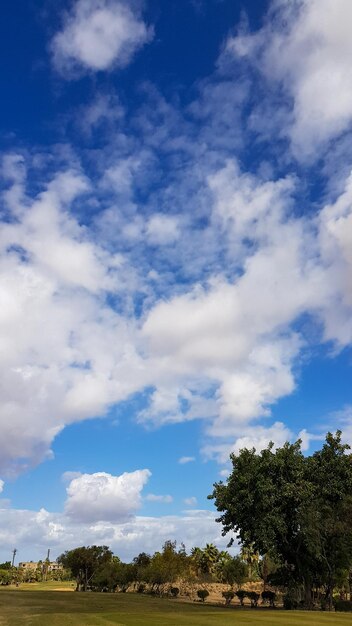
{"x":296,"y":508}
{"x":84,"y":562}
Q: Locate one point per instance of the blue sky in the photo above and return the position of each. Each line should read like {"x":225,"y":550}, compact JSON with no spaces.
{"x":175,"y":257}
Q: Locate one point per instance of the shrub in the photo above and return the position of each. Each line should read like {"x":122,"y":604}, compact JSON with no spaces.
{"x":202,"y":594}
{"x":174,"y":591}
{"x":241,"y":594}
{"x":228,"y":595}
{"x":290,"y":603}
{"x":343,"y":605}
{"x":269,"y":596}
{"x":254,"y":597}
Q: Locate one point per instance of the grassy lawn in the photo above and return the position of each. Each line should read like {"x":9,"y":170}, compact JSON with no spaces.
{"x":53,"y":608}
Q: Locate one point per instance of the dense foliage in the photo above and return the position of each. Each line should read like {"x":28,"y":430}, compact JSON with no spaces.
{"x":85,"y":563}
{"x":95,"y":567}
{"x":296,"y":511}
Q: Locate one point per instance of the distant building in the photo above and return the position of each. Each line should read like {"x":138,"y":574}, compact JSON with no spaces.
{"x":28,"y":565}
{"x":52,"y":566}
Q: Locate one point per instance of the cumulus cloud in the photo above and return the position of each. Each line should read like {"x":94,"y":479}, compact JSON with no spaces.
{"x":57,"y":361}
{"x":103,"y":497}
{"x":306,"y":47}
{"x":98,"y":35}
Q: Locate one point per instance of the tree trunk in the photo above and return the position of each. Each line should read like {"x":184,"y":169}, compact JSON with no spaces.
{"x":308,"y":594}
{"x":328,"y":596}
{"x":265,"y":573}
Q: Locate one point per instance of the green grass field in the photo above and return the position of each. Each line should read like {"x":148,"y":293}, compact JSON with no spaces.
{"x":59,"y":608}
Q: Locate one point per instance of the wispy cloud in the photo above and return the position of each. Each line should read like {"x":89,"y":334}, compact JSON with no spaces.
{"x":152,"y":497}
{"x":186,"y":459}
{"x":192,"y":501}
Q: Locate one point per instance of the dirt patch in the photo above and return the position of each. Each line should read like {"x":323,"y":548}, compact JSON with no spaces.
{"x":216,"y":590}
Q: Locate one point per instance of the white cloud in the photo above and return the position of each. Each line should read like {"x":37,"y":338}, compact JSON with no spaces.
{"x":1,"y":485}
{"x":341,"y":420}
{"x":257,"y":437}
{"x":64,"y":351}
{"x":152,"y":497}
{"x":103,"y":497}
{"x":32,"y":532}
{"x":335,"y":222}
{"x":222,"y":351}
{"x":186,"y":459}
{"x":162,"y":230}
{"x":68,"y":476}
{"x":232,"y":271}
{"x":306,"y":46}
{"x":105,"y":109}
{"x":218,"y":331}
{"x":98,"y":35}
{"x":192,"y":501}
{"x":169,"y":404}
{"x":306,"y":438}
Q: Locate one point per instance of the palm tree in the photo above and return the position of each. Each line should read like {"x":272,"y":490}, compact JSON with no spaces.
{"x":210,"y":557}
{"x":196,"y":556}
{"x":250,"y":556}
{"x":206,"y":559}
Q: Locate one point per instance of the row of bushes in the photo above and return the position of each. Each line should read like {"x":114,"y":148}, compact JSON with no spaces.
{"x":267,"y":596}
{"x":343,"y":605}
{"x":253,"y":596}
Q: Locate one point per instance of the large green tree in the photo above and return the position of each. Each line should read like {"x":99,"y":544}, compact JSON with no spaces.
{"x":167,"y":566}
{"x":85,"y":562}
{"x":296,"y":508}
{"x":329,"y":518}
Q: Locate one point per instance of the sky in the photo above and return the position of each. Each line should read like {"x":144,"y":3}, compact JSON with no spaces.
{"x":176,"y":258}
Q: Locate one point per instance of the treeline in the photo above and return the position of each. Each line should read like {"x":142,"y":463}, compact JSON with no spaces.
{"x":297,"y":511}
{"x":97,"y":568}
